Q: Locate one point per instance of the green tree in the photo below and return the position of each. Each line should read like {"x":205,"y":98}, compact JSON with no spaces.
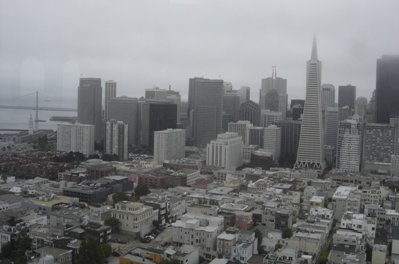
{"x":113,"y":222}
{"x":324,"y":257}
{"x":287,"y":232}
{"x":277,"y":246}
{"x":106,"y":249}
{"x":90,"y":252}
{"x":15,"y":250}
{"x":259,"y":236}
{"x":141,"y":190}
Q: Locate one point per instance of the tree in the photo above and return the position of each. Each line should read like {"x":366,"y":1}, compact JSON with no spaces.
{"x":141,"y":190}
{"x":277,"y":246}
{"x":106,"y":249}
{"x":120,"y":196}
{"x":90,"y":252}
{"x":259,"y":236}
{"x":324,"y":257}
{"x":15,"y":250}
{"x":287,"y":232}
{"x":369,"y":252}
{"x":113,"y":222}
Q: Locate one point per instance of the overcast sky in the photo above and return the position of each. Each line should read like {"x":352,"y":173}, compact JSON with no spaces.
{"x":48,"y":45}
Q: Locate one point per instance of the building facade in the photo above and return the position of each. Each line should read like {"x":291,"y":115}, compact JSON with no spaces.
{"x":76,"y":138}
{"x":169,"y":144}
{"x":116,"y":138}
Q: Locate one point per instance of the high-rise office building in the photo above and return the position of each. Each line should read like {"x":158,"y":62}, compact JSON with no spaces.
{"x":126,"y":109}
{"x":361,"y":107}
{"x":169,"y":144}
{"x":245,"y":94}
{"x":110,"y":92}
{"x":387,"y":88}
{"x":256,"y":136}
{"x":272,"y":141}
{"x":296,"y":108}
{"x":268,"y":117}
{"x":225,"y":151}
{"x":116,"y":138}
{"x":205,"y":105}
{"x":158,"y":94}
{"x":331,"y":126}
{"x":349,"y":146}
{"x":347,"y":96}
{"x":250,"y":111}
{"x":231,"y":104}
{"x":311,"y":143}
{"x":327,"y":96}
{"x":89,"y":105}
{"x":155,"y":116}
{"x":242,"y":128}
{"x":290,"y":133}
{"x":76,"y":138}
{"x":273,"y":94}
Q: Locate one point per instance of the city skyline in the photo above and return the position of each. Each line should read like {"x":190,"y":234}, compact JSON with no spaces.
{"x":150,"y":53}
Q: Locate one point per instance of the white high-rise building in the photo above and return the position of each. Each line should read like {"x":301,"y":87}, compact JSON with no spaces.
{"x":242,"y":128}
{"x":110,"y":92}
{"x":225,"y":151}
{"x":310,"y":150}
{"x":76,"y":138}
{"x":116,"y":138}
{"x":169,"y":144}
{"x":349,"y":146}
{"x":272,"y":141}
{"x":268,"y":117}
{"x":327,"y":95}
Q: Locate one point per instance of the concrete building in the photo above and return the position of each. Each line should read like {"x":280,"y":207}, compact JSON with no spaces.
{"x":387,"y":88}
{"x":290,"y":134}
{"x":296,"y":108}
{"x":169,"y":144}
{"x":231,"y":104}
{"x":310,"y":150}
{"x":250,"y":111}
{"x":126,"y":109}
{"x":242,"y":128}
{"x":395,"y":165}
{"x":135,"y":218}
{"x":90,"y":105}
{"x":205,"y":107}
{"x":116,"y":138}
{"x":378,"y":147}
{"x":273,"y":94}
{"x":110,"y":92}
{"x":347,"y":96}
{"x":349,"y":146}
{"x":245,"y":94}
{"x":361,"y":107}
{"x":268,"y":117}
{"x":272,"y":141}
{"x":170,"y":95}
{"x":225,"y":151}
{"x":199,"y":231}
{"x":327,"y":96}
{"x":76,"y":138}
{"x":346,"y":199}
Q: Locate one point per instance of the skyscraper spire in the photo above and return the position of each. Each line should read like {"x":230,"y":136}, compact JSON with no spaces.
{"x":314,"y":48}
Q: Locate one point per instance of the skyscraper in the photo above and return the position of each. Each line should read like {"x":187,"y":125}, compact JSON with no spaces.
{"x":250,"y":111}
{"x":126,"y":109}
{"x":272,"y":141}
{"x":361,"y":106}
{"x":327,"y":95}
{"x":89,"y":105}
{"x":205,"y":106}
{"x":290,"y":133}
{"x":273,"y":94}
{"x":116,"y":138}
{"x":245,"y":94}
{"x":165,"y":95}
{"x":76,"y":138}
{"x":387,"y":88}
{"x":242,"y":128}
{"x":110,"y":92}
{"x":347,"y":96}
{"x":331,"y":126}
{"x":268,"y":117}
{"x":231,"y":104}
{"x":310,"y":149}
{"x":225,"y":151}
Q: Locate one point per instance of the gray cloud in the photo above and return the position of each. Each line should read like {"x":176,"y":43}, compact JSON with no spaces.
{"x":47,"y":45}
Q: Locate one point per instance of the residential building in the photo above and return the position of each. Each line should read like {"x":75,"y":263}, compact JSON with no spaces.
{"x":169,"y":144}
{"x":116,"y":138}
{"x":76,"y":138}
{"x":135,"y":218}
{"x":345,"y":199}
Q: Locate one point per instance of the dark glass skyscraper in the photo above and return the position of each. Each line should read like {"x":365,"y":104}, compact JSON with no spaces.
{"x":387,"y":88}
{"x":89,"y":105}
{"x":347,"y":96}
